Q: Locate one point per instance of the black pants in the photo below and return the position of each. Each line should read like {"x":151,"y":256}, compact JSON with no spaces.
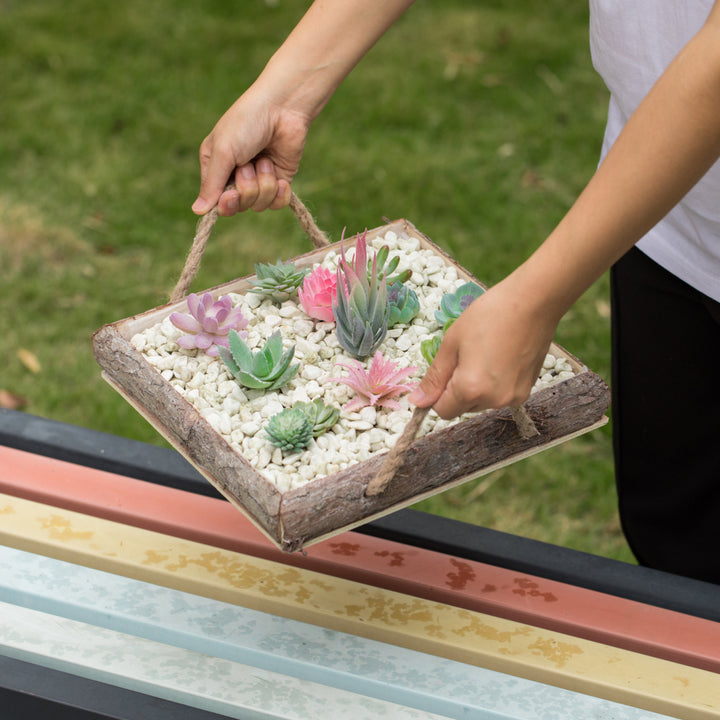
{"x":666,"y":417}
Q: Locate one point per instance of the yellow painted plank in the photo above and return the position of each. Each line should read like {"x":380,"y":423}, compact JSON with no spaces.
{"x":346,"y":606}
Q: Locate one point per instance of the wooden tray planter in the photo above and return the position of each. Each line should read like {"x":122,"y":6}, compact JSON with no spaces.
{"x":328,"y":505}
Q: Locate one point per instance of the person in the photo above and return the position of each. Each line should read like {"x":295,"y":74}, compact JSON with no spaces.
{"x":651,"y":212}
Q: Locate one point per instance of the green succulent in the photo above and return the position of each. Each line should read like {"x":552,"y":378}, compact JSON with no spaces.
{"x":403,"y":304}
{"x":265,"y":369}
{"x":279,"y":281}
{"x":320,"y":415}
{"x":385,"y":268}
{"x":452,"y":304}
{"x":429,"y":348}
{"x":291,"y":430}
{"x":361,"y":307}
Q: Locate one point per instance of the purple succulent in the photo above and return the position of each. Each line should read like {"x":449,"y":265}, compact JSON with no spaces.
{"x":209,"y":323}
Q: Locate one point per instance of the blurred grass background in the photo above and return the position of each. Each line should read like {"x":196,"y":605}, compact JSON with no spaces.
{"x":479,"y":122}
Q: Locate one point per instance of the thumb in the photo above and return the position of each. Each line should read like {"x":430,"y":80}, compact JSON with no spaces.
{"x":215,"y":172}
{"x":436,"y":378}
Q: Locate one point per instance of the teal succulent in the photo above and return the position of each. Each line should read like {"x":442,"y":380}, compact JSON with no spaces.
{"x":265,"y":369}
{"x":321,"y":416}
{"x":291,"y":430}
{"x":403,"y":304}
{"x":429,"y":348}
{"x":452,"y":304}
{"x":361,"y":307}
{"x":279,"y":281}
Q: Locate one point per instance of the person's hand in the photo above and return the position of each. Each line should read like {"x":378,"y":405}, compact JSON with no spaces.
{"x":490,"y":356}
{"x":256,"y":146}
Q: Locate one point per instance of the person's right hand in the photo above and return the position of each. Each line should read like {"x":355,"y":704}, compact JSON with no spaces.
{"x":256,"y":146}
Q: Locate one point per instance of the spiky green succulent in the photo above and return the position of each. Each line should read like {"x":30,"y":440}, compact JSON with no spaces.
{"x":429,"y":348}
{"x":279,"y":281}
{"x":385,"y":268}
{"x":403,"y":304}
{"x":361,"y":307}
{"x":320,"y":415}
{"x":291,"y":430}
{"x":265,"y":369}
{"x":452,"y":304}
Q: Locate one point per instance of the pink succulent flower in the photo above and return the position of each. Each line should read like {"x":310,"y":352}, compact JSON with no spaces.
{"x":208,"y":323}
{"x":377,"y":385}
{"x":318,"y":293}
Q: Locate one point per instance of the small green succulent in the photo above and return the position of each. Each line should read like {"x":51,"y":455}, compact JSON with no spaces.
{"x":385,"y":268}
{"x":279,"y":281}
{"x":403,"y":304}
{"x":265,"y":369}
{"x":429,"y":348}
{"x":291,"y":430}
{"x":320,"y":415}
{"x":452,"y":304}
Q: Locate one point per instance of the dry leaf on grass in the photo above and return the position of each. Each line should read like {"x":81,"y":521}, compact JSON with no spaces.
{"x":29,"y":360}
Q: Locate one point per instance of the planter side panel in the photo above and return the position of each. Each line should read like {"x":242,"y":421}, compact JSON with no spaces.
{"x":442,"y":458}
{"x":185,"y":428}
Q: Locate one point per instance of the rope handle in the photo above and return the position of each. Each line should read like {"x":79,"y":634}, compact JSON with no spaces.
{"x":205,"y":226}
{"x":395,"y":458}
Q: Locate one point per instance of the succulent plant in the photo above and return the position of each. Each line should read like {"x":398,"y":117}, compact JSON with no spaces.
{"x":209,"y":323}
{"x":403,"y":304}
{"x":265,"y":369}
{"x":279,"y":281}
{"x":291,"y":430}
{"x":318,"y":292}
{"x":320,"y":415}
{"x":377,"y":385}
{"x":385,"y":267}
{"x":452,"y":304}
{"x":361,"y":307}
{"x":429,"y":348}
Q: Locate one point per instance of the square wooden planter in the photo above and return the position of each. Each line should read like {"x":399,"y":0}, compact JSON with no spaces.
{"x":334,"y":503}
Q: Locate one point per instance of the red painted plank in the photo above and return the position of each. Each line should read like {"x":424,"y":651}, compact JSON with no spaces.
{"x":422,"y":573}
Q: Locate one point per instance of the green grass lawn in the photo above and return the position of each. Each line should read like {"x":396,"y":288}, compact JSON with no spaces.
{"x":479,"y":122}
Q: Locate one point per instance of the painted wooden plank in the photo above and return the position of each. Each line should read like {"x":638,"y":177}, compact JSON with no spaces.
{"x":221,"y":686}
{"x":434,"y":576}
{"x":28,"y":690}
{"x":296,"y":649}
{"x":378,"y":614}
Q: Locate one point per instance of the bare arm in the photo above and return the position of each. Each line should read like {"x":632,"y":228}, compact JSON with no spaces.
{"x":272,"y":118}
{"x":491,"y":356}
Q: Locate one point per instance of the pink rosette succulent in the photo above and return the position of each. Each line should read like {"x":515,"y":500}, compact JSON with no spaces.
{"x":209,"y":323}
{"x":318,"y":293}
{"x":377,"y":385}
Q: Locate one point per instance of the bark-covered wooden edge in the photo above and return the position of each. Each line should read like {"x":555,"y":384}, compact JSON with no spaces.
{"x":440,"y":459}
{"x":337,"y":502}
{"x":186,"y":429}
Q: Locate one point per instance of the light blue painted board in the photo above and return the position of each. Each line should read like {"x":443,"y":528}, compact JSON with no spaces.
{"x":184,"y":676}
{"x":299,"y":650}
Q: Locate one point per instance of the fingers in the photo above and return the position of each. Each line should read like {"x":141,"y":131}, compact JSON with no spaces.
{"x":436,"y":378}
{"x":257,"y":188}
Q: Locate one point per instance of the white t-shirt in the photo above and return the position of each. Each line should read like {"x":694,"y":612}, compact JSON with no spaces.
{"x":632,"y":42}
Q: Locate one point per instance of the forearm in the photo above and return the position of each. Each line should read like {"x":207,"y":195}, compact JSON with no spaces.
{"x":323,"y":48}
{"x":666,"y":147}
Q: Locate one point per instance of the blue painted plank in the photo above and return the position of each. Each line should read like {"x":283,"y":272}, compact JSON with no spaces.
{"x":298,"y":650}
{"x":221,"y":686}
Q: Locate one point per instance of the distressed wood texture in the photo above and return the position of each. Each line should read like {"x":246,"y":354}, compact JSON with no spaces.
{"x":338,"y":502}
